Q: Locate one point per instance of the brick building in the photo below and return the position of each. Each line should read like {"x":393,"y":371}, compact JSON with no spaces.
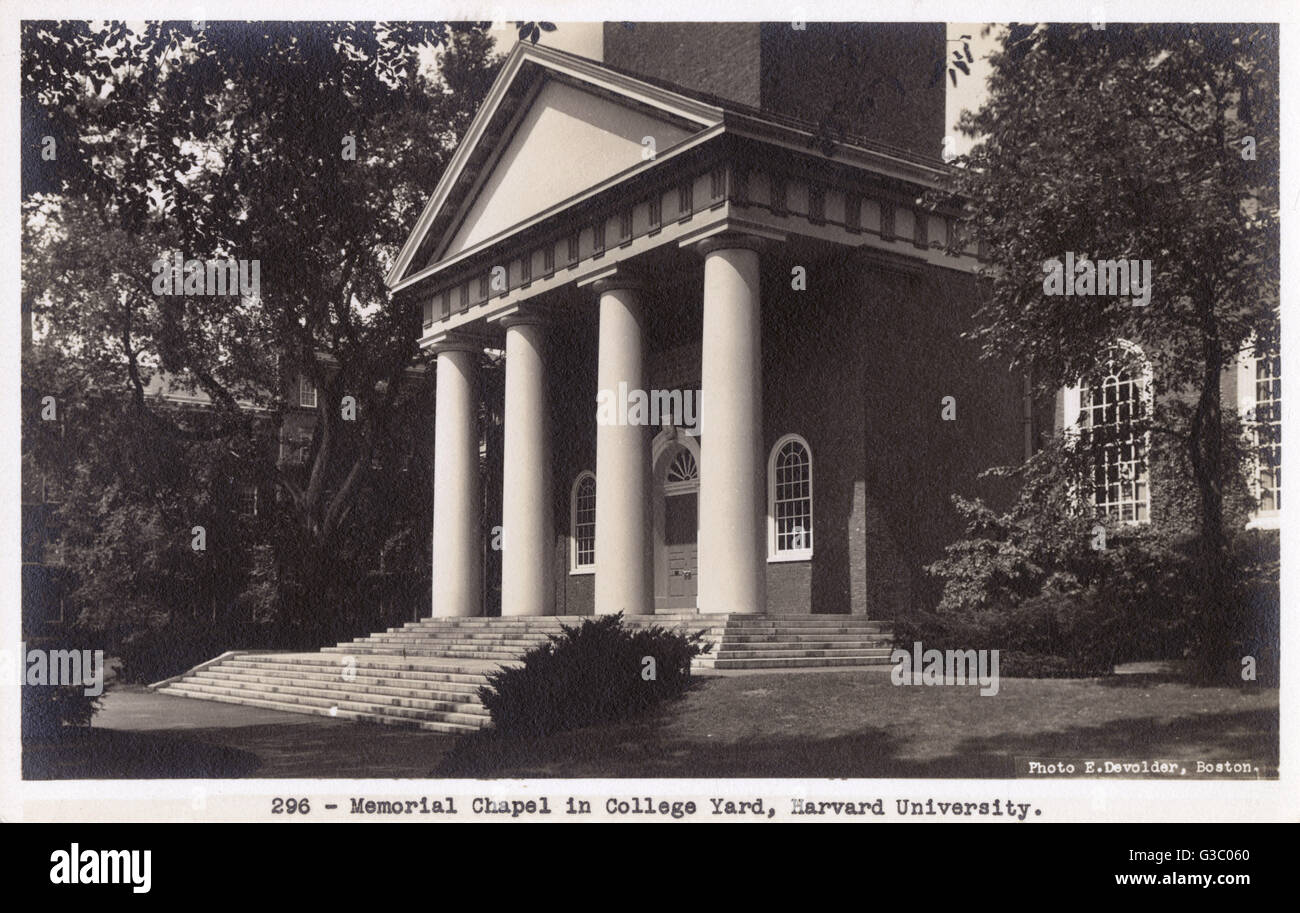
{"x":734,"y":233}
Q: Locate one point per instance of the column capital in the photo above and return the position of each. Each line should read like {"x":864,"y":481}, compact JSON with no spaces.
{"x":523,"y":314}
{"x":613,"y":279}
{"x":732,"y":240}
{"x":458,"y":341}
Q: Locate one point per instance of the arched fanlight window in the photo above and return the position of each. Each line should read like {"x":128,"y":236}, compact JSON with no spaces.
{"x":683,"y":473}
{"x":582,"y":524}
{"x":790,"y":500}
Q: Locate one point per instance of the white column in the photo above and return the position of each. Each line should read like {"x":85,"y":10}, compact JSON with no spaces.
{"x":527,"y":529}
{"x":622,"y":461}
{"x":733,"y":573}
{"x":457,"y":502}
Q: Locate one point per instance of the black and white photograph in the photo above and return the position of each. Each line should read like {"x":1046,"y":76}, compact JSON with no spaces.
{"x":773,"y":415}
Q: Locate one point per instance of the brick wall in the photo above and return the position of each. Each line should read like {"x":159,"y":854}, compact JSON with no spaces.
{"x":915,"y":461}
{"x":573,"y":436}
{"x":721,"y":58}
{"x":858,"y":365}
{"x":811,"y":366}
{"x":875,"y":76}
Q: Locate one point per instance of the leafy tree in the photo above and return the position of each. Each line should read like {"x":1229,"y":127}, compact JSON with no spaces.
{"x":1144,"y":142}
{"x":309,"y":147}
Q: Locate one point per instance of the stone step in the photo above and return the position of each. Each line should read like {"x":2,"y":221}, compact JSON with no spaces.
{"x":809,"y":621}
{"x":460,"y":699}
{"x":328,"y":703}
{"x":308,"y":673}
{"x":801,"y":662}
{"x":732,"y":630}
{"x":467,"y":636}
{"x":728,"y":653}
{"x":243,"y":700}
{"x":459,"y":643}
{"x":464,"y":636}
{"x":549,"y":622}
{"x":340,"y":696}
{"x":868,"y":638}
{"x":794,"y":649}
{"x":452,"y":670}
{"x":430,"y":650}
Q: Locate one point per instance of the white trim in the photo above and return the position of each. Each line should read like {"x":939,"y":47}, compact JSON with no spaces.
{"x":773,"y":554}
{"x":662,"y":156}
{"x":1072,"y":420}
{"x":571,"y":65}
{"x":244,"y":491}
{"x":661,"y":447}
{"x":670,"y":435}
{"x":574,"y":567}
{"x":1247,"y":375}
{"x":303,"y":382}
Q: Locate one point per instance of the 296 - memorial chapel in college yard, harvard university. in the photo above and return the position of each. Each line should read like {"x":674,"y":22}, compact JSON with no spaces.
{"x":672,"y":222}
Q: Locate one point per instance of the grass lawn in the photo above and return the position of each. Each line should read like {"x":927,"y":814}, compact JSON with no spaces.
{"x":140,"y":734}
{"x":858,"y":724}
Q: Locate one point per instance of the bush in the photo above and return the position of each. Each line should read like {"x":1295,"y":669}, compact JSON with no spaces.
{"x":1036,"y":639}
{"x":1040,"y":581}
{"x":1016,"y":664}
{"x":590,"y":674}
{"x":46,"y":708}
{"x":1257,"y":624}
{"x":176,"y":646}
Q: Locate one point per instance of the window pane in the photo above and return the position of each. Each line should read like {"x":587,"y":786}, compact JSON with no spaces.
{"x":1112,"y":402}
{"x":584,"y":523}
{"x":1268,"y":430}
{"x":792,"y":498}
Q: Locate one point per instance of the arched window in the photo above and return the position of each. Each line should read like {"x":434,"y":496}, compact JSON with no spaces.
{"x":582,"y":524}
{"x":1112,"y":405}
{"x":683,"y":473}
{"x":790,"y":500}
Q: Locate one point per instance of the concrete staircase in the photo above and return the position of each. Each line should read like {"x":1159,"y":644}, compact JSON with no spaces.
{"x":426,"y":674}
{"x":803,"y":641}
{"x":781,"y":641}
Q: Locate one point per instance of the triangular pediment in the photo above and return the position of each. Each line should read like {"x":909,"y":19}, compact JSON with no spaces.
{"x":554,"y":125}
{"x":568,"y":140}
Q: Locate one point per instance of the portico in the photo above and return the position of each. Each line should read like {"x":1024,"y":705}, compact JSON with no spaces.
{"x":519,"y":253}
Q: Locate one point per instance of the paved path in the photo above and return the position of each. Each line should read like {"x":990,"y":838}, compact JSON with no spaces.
{"x":142,"y":734}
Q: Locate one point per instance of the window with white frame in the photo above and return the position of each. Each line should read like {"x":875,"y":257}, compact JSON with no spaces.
{"x":248,"y":500}
{"x":1112,"y":404}
{"x":1268,"y":430}
{"x":790,"y":500}
{"x":306,"y":392}
{"x":582,"y":524}
{"x":298,"y":446}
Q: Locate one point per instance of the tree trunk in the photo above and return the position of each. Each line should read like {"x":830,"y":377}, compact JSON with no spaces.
{"x":1215,"y":652}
